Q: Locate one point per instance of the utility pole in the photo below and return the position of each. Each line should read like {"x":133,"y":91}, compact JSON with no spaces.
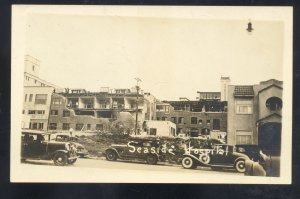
{"x":137,"y":103}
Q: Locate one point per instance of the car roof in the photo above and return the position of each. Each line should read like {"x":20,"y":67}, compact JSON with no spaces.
{"x":34,"y":131}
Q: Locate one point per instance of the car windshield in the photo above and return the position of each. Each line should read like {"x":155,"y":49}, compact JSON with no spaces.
{"x":34,"y":137}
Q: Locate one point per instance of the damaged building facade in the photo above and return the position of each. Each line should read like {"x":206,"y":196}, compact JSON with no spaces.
{"x":254,"y":114}
{"x":81,"y":110}
{"x":205,"y":116}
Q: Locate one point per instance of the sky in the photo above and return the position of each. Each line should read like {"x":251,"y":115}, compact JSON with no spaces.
{"x":174,"y":57}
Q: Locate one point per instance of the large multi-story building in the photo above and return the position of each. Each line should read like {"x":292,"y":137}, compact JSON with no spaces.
{"x":254,"y":114}
{"x":82,"y":110}
{"x":37,"y":96}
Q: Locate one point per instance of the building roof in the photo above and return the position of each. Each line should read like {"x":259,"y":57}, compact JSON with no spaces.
{"x":243,"y":91}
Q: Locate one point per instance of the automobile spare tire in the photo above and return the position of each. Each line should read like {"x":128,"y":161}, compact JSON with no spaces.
{"x":151,"y":159}
{"x":204,"y":158}
{"x":72,"y":161}
{"x":240,"y":166}
{"x":60,"y":159}
{"x":111,"y":155}
{"x":188,"y":163}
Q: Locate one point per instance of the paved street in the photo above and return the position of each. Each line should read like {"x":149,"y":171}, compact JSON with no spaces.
{"x":138,"y":166}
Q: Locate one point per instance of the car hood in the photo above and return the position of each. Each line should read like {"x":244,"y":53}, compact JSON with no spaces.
{"x":237,"y":154}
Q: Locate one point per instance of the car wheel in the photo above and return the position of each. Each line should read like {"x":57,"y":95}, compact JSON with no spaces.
{"x":240,"y":166}
{"x":60,"y":159}
{"x":72,"y":161}
{"x":151,"y":159}
{"x":111,"y":155}
{"x":188,"y":163}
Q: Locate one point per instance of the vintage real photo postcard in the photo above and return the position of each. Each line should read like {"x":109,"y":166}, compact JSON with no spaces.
{"x":151,"y":94}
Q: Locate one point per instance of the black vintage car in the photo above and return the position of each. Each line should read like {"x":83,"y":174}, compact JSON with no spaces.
{"x":37,"y":145}
{"x":81,"y":150}
{"x":146,"y":149}
{"x":211,"y":153}
{"x":251,"y":150}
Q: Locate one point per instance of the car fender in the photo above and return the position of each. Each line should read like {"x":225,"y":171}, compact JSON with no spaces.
{"x":240,"y":158}
{"x":113,"y":149}
{"x":59,"y":151}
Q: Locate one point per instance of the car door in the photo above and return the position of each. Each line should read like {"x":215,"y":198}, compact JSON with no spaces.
{"x":36,"y":146}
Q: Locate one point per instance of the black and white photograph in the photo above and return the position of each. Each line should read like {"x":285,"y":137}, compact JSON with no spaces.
{"x":151,"y":94}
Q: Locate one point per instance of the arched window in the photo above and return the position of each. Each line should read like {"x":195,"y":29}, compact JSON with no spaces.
{"x":274,"y":103}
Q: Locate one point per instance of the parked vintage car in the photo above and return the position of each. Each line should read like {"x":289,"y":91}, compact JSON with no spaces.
{"x":36,"y":144}
{"x":146,"y":149}
{"x":210,"y":153}
{"x":81,"y":150}
{"x":251,"y":150}
{"x":266,"y":165}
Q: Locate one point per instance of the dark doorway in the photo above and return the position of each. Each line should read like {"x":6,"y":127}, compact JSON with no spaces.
{"x":269,"y":137}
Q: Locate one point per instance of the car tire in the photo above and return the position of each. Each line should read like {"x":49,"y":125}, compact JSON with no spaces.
{"x":240,"y":166}
{"x":188,"y":163}
{"x":72,"y":161}
{"x":60,"y":159}
{"x":151,"y":159}
{"x":111,"y":155}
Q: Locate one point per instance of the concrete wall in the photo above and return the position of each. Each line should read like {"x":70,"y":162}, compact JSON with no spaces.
{"x":264,"y":96}
{"x":241,"y":122}
{"x":163,"y":128}
{"x":31,"y":105}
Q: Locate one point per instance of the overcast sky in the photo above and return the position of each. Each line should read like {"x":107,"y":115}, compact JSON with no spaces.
{"x":173,"y":57}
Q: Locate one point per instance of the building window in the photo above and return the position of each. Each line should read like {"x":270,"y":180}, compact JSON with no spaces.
{"x":164,"y":118}
{"x":23,"y":112}
{"x":25,"y":98}
{"x":174,"y":119}
{"x":152,"y":131}
{"x":158,"y":118}
{"x":244,"y":137}
{"x":30,"y":97}
{"x":66,"y":126}
{"x":78,"y":127}
{"x":33,"y":68}
{"x":36,"y":125}
{"x":207,"y":122}
{"x":200,"y":122}
{"x":179,"y":130}
{"x":56,"y":101}
{"x":52,"y":126}
{"x":54,"y":112}
{"x":40,"y":98}
{"x":66,"y":113}
{"x":244,"y":106}
{"x":31,"y":112}
{"x":274,"y":104}
{"x":181,"y":120}
{"x":216,"y":124}
{"x":41,"y":112}
{"x":193,"y":120}
{"x":99,"y":126}
{"x":88,"y":126}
